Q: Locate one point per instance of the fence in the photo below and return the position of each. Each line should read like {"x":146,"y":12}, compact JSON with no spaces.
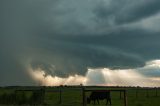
{"x":147,"y":91}
{"x":37,"y":96}
{"x":124,"y":93}
{"x":82,"y":89}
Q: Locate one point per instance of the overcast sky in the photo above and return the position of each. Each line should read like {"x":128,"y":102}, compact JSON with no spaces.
{"x":67,"y":37}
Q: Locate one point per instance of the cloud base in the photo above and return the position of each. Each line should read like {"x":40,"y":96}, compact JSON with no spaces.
{"x":104,"y":77}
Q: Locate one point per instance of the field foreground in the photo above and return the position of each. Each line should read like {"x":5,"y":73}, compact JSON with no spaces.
{"x":75,"y":96}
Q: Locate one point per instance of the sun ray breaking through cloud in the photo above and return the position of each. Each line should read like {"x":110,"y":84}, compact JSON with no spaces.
{"x":103,"y":76}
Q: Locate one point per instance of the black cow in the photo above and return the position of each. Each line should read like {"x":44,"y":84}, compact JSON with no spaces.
{"x":99,"y":95}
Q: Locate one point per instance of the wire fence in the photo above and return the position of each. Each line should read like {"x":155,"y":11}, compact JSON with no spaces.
{"x":74,"y":95}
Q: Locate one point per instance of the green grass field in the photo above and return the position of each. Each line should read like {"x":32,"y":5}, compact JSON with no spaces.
{"x":72,"y":96}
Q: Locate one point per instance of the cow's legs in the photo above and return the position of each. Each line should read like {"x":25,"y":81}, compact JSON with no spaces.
{"x":97,"y":101}
{"x":94,"y":102}
{"x":108,"y":100}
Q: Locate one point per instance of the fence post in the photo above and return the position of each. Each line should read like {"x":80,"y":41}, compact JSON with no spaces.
{"x":156,"y":92}
{"x":60,"y":95}
{"x":42,"y":95}
{"x":84,"y":96}
{"x":15,"y":99}
{"x":147,"y":95}
{"x":136,"y":92}
{"x":120,"y":95}
{"x":125,"y":98}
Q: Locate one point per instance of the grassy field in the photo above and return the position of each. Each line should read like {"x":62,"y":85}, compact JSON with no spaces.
{"x":72,"y":96}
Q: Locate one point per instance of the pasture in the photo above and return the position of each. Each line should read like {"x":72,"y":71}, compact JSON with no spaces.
{"x":74,"y":96}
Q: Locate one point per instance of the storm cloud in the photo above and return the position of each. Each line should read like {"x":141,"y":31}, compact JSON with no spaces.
{"x":147,"y":76}
{"x":68,"y":37}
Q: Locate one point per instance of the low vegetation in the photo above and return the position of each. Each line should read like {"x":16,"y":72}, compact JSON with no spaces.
{"x":72,"y":96}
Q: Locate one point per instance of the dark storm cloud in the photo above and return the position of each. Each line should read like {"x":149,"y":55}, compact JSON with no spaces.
{"x":124,"y":49}
{"x":138,"y":11}
{"x":126,"y":11}
{"x":17,"y":20}
{"x":63,"y":38}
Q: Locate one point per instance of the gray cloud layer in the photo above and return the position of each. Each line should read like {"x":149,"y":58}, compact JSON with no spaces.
{"x":67,"y":36}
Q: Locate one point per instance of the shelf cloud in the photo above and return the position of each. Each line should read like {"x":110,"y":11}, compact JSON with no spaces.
{"x":143,"y":77}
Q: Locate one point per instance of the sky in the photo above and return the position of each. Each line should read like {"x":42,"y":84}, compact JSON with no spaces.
{"x":93,"y":42}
